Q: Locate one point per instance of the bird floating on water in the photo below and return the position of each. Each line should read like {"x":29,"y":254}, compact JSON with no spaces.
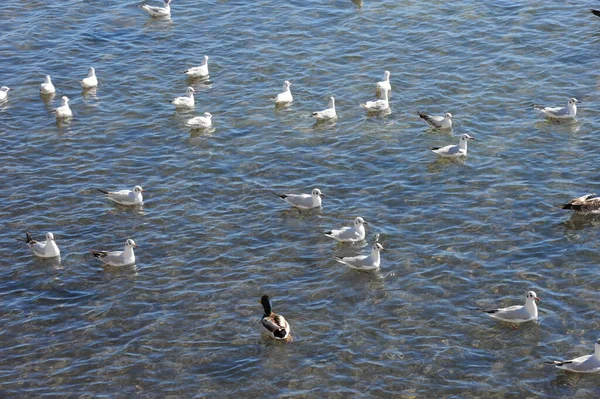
{"x":47,"y":87}
{"x":437,"y":122}
{"x":4,"y":93}
{"x":454,"y":151}
{"x":158,"y":12}
{"x":519,"y":313}
{"x":381,"y":104}
{"x":583,"y":364}
{"x":90,"y":81}
{"x":64,"y":111}
{"x":595,"y":12}
{"x":589,"y":203}
{"x":186,"y":101}
{"x":304,"y":201}
{"x":349,"y":234}
{"x":385,"y":83}
{"x":286,"y":96}
{"x":199,"y":71}
{"x":43,"y":249}
{"x":125,"y":197}
{"x":117,"y":258}
{"x":326,"y":114}
{"x":364,"y":262}
{"x":568,"y":112}
{"x":275,"y":324}
{"x":200,"y":122}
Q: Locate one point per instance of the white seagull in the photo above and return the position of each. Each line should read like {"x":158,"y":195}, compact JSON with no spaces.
{"x":378,"y":105}
{"x":157,"y":12}
{"x":125,"y":197}
{"x":518,"y":313}
{"x":560,"y":113}
{"x":47,"y":87}
{"x":589,"y":203}
{"x":286,"y":96}
{"x":582,"y":364}
{"x":437,"y":122}
{"x":117,"y":258}
{"x":303,"y":201}
{"x":43,"y":249}
{"x":385,"y":83}
{"x":90,"y":81}
{"x":64,"y":111}
{"x":349,"y":234}
{"x":364,"y":262}
{"x":186,"y":101}
{"x":199,"y":71}
{"x":200,"y":122}
{"x":326,"y":114}
{"x":453,"y":151}
{"x":4,"y":93}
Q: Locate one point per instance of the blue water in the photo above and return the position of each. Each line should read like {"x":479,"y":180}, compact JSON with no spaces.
{"x":184,"y":322}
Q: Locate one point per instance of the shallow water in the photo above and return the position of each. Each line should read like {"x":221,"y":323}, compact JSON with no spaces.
{"x":213,"y":238}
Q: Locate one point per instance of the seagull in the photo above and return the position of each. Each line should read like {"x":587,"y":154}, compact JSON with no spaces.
{"x":378,"y":105}
{"x":90,"y":81}
{"x":454,"y":151}
{"x":117,"y":258}
{"x":560,"y":113}
{"x":363,"y":262}
{"x":47,"y":87}
{"x":385,"y":83}
{"x":286,"y":96}
{"x":4,"y":93}
{"x":595,"y":12}
{"x":517,"y":314}
{"x":303,"y":201}
{"x":125,"y":197}
{"x":349,"y":234}
{"x":199,"y":71}
{"x":582,"y":364}
{"x":275,"y":324}
{"x":43,"y":249}
{"x":186,"y":101}
{"x":326,"y":114}
{"x":438,"y":122}
{"x":63,"y":111}
{"x":156,"y":12}
{"x":200,"y":122}
{"x":589,"y":203}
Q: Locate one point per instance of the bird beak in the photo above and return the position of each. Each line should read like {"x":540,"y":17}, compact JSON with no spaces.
{"x":537,"y":299}
{"x":471,"y":138}
{"x":322,"y":195}
{"x":135,"y":245}
{"x":365,"y":222}
{"x":9,"y":89}
{"x":384,"y":250}
{"x":143,"y":191}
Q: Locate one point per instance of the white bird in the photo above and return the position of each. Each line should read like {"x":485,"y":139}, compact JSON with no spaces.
{"x":276,"y":325}
{"x":64,"y":111}
{"x":453,"y":151}
{"x":518,"y":313}
{"x":43,"y":249}
{"x":157,"y":12}
{"x":117,"y":258}
{"x":303,"y":201}
{"x":589,"y":203}
{"x":381,"y":104}
{"x":125,"y":197}
{"x":349,"y":234}
{"x":186,"y":101}
{"x":326,"y":114}
{"x":438,"y":122}
{"x":90,"y":81}
{"x":364,"y":262}
{"x":4,"y":93}
{"x":200,"y":122}
{"x":582,"y":364}
{"x":47,"y":87}
{"x":560,"y":113}
{"x":199,"y":71}
{"x":286,"y":96}
{"x":385,"y":83}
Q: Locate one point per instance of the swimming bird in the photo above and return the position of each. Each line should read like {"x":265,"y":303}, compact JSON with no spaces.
{"x":157,"y":12}
{"x":349,"y":234}
{"x":385,"y":83}
{"x":589,"y":203}
{"x":560,"y":113}
{"x":117,"y":258}
{"x":90,"y":81}
{"x":364,"y":262}
{"x":518,"y":313}
{"x":125,"y":197}
{"x":595,"y":12}
{"x":286,"y":96}
{"x":47,"y":87}
{"x":186,"y":101}
{"x":438,"y":122}
{"x":64,"y":111}
{"x":276,"y":325}
{"x":453,"y":151}
{"x":200,"y":122}
{"x":326,"y":114}
{"x":381,"y":104}
{"x":4,"y":93}
{"x":582,"y":364}
{"x":303,"y":201}
{"x":43,"y":249}
{"x":199,"y":71}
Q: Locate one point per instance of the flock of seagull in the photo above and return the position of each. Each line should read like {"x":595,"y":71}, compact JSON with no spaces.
{"x":276,"y":325}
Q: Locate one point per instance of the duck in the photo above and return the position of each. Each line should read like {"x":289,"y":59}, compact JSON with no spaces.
{"x":326,"y":114}
{"x":125,"y":197}
{"x":186,"y":101}
{"x":47,"y":87}
{"x":589,"y":203}
{"x":198,"y":71}
{"x":117,"y":258}
{"x":276,"y":325}
{"x":64,"y":111}
{"x":303,"y":201}
{"x":43,"y":249}
{"x":90,"y":81}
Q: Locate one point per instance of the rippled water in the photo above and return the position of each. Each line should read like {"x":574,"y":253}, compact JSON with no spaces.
{"x":213,"y":238}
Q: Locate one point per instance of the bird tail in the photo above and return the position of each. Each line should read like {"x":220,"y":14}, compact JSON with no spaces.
{"x":434,"y":148}
{"x":595,"y":12}
{"x":421,"y":115}
{"x":538,"y":107}
{"x":102,"y":191}
{"x":557,"y":362}
{"x":282,"y":196}
{"x":28,"y":238}
{"x":97,"y":254}
{"x":363,"y":105}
